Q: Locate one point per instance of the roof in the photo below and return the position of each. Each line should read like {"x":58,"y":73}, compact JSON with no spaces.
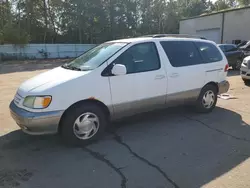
{"x":150,"y":39}
{"x":158,"y":36}
{"x":128,"y":40}
{"x":218,"y":12}
{"x":226,"y":44}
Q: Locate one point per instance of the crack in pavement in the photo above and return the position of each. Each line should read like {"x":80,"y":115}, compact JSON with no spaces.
{"x":217,"y":130}
{"x":100,"y":157}
{"x":118,"y":139}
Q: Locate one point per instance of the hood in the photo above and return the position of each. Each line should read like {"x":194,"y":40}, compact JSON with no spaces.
{"x":53,"y":77}
{"x":247,"y":59}
{"x":245,"y":46}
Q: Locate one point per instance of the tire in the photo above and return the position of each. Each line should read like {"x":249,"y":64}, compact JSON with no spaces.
{"x":247,"y":82}
{"x":74,"y":128}
{"x":201,"y":104}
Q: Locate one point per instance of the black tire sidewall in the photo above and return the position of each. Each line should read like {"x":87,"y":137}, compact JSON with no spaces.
{"x":247,"y":82}
{"x":199,"y":105}
{"x":67,"y":132}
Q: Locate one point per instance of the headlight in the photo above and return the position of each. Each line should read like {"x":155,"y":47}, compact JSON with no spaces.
{"x":37,"y":102}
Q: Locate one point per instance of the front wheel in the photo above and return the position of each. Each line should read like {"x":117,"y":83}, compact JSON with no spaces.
{"x":83,"y":124}
{"x":207,"y":99}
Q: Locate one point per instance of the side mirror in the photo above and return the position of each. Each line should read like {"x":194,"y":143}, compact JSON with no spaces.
{"x":119,"y":69}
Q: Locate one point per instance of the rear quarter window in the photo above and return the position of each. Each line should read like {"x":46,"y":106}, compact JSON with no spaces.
{"x":182,"y":53}
{"x":209,"y":52}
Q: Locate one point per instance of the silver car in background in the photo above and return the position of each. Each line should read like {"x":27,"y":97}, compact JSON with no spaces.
{"x":245,"y":70}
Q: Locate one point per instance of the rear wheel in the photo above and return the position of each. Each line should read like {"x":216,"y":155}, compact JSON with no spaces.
{"x":83,"y":124}
{"x":207,"y":99}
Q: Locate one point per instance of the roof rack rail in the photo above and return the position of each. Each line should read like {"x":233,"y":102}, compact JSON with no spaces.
{"x":174,"y":35}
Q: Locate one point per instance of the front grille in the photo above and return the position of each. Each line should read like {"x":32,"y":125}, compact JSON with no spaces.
{"x":17,"y":99}
{"x":243,"y":72}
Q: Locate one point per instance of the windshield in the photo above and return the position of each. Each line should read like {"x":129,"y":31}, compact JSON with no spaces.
{"x":94,"y":57}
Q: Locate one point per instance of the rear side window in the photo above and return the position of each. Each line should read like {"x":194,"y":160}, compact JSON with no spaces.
{"x":209,"y":52}
{"x":230,"y":48}
{"x":181,"y":53}
{"x":222,"y":47}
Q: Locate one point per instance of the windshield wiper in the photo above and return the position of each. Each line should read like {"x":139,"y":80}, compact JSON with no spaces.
{"x":71,"y":68}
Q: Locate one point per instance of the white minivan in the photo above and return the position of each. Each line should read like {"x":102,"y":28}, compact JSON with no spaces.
{"x":118,"y":79}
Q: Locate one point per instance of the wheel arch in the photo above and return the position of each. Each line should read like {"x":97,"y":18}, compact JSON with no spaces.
{"x":89,"y":102}
{"x":213,"y":84}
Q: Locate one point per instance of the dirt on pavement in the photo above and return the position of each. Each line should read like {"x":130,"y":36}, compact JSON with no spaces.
{"x":169,"y":148}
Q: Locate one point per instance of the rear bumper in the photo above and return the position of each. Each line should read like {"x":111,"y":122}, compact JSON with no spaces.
{"x":223,"y":87}
{"x":36,"y":123}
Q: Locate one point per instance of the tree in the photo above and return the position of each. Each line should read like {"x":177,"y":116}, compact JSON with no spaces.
{"x":244,"y":2}
{"x":192,"y":7}
{"x":9,"y":31}
{"x":96,"y":21}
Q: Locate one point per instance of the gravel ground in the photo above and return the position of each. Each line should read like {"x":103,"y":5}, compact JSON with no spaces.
{"x":169,"y":148}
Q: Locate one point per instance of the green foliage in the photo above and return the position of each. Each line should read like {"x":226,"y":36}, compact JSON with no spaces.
{"x":244,"y":2}
{"x":221,"y":5}
{"x":96,"y":21}
{"x":13,"y":35}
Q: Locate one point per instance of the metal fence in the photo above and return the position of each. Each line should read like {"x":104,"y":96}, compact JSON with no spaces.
{"x":43,"y":51}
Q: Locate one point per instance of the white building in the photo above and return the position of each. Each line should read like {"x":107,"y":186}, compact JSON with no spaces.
{"x":222,"y":27}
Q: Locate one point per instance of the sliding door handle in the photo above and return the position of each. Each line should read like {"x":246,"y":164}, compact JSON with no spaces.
{"x":159,"y":77}
{"x":174,"y":75}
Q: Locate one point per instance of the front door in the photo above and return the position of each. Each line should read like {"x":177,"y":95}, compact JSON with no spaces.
{"x":144,"y":86}
{"x":232,"y":54}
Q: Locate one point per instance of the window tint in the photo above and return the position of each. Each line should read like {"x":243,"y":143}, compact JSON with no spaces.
{"x":181,"y":53}
{"x":95,"y":57}
{"x":230,"y":48}
{"x":209,"y":52}
{"x":222,"y":47}
{"x":140,"y":58}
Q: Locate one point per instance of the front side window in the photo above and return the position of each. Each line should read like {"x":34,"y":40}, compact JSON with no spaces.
{"x":181,"y":53}
{"x":209,"y":52}
{"x":140,"y":58}
{"x":95,"y":57}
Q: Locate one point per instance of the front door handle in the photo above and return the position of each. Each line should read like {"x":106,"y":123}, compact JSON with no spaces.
{"x":159,"y":77}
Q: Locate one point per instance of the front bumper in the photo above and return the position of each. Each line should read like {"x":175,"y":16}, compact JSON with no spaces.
{"x":36,"y":123}
{"x":245,"y":73}
{"x":223,"y":87}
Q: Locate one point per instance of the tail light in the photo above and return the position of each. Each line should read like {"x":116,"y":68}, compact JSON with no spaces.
{"x":226,"y":68}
